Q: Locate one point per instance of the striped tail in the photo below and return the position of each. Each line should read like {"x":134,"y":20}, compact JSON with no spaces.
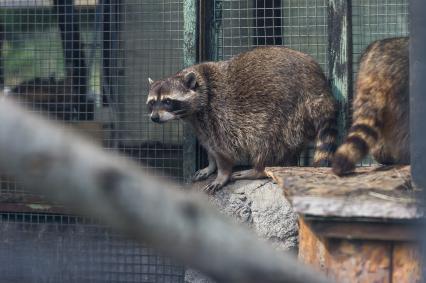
{"x":325,"y":143}
{"x":362,"y":136}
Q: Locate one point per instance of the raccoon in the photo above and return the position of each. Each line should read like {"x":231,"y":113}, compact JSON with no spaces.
{"x":263,"y":105}
{"x":380,"y":109}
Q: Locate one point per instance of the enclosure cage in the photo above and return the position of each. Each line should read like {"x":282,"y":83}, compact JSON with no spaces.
{"x":86,"y":63}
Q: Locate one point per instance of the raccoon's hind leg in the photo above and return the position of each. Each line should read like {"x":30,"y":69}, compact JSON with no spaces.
{"x":205,"y":172}
{"x":224,"y":171}
{"x":382,"y":155}
{"x":259,"y":162}
{"x":251,"y":174}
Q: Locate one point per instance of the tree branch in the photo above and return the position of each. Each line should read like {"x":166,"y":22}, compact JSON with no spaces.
{"x":178,"y":223}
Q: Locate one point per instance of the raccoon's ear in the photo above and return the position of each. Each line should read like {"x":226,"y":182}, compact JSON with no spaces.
{"x":190,"y":80}
{"x":150,"y":81}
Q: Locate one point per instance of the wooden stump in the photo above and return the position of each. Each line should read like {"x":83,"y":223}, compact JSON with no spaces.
{"x":360,"y":228}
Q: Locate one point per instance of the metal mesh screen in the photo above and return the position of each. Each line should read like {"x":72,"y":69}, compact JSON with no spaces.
{"x":88,"y":65}
{"x":60,"y":248}
{"x":85,"y":64}
{"x":153,"y":43}
{"x":373,"y":20}
{"x":301,"y":25}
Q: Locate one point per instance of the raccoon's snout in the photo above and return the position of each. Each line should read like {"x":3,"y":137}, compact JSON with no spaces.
{"x":155,"y":118}
{"x":162,"y":116}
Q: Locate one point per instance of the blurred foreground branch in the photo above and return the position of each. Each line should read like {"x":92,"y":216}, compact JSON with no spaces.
{"x":178,"y":223}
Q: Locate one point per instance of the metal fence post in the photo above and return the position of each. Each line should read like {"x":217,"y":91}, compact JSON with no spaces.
{"x":2,"y":38}
{"x":418,"y":103}
{"x":210,"y":32}
{"x":190,"y":51}
{"x":340,"y":57}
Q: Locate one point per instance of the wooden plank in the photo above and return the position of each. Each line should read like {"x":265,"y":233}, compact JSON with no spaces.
{"x":311,"y":248}
{"x":353,"y":260}
{"x":406,"y":263}
{"x":340,"y":57}
{"x":34,"y":208}
{"x":355,"y":229}
{"x":359,"y":261}
{"x":26,"y":202}
{"x":371,"y":192}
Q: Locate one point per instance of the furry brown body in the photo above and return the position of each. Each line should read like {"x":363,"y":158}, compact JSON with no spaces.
{"x":263,"y":105}
{"x":381,"y":108}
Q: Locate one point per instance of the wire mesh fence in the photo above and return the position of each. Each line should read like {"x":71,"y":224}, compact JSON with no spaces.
{"x":86,"y":63}
{"x":301,"y":25}
{"x":62,"y":248}
{"x":373,"y":20}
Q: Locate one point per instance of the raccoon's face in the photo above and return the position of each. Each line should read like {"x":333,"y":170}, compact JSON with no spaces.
{"x":172,"y":98}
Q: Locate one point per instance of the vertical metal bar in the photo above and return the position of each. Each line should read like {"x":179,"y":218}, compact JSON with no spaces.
{"x":212,"y":11}
{"x":112,"y":75}
{"x":340,"y":57}
{"x":190,"y":37}
{"x":418,"y":103}
{"x":417,"y":91}
{"x":209,"y":35}
{"x":2,"y":37}
{"x":74,"y":56}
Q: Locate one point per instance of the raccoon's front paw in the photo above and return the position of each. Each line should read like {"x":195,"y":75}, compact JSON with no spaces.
{"x":201,"y":175}
{"x":213,"y":187}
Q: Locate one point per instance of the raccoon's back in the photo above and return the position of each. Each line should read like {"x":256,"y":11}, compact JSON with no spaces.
{"x":274,"y":82}
{"x":381,"y":108}
{"x":274,"y":70}
{"x":383,"y":71}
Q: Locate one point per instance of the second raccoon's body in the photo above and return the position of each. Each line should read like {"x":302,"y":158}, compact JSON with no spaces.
{"x":381,"y":108}
{"x":263,"y":105}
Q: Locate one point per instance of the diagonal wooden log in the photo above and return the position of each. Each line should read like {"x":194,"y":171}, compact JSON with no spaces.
{"x":180,"y":224}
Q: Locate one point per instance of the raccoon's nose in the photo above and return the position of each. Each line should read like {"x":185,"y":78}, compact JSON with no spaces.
{"x":155,"y":118}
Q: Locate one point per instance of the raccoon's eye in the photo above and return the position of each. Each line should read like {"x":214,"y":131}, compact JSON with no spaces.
{"x":151,"y":105}
{"x":167,"y":101}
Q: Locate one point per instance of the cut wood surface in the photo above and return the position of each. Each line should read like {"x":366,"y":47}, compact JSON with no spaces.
{"x":360,"y":260}
{"x":372,"y":192}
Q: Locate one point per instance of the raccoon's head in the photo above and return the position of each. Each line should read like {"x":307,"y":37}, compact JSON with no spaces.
{"x":173,"y":98}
